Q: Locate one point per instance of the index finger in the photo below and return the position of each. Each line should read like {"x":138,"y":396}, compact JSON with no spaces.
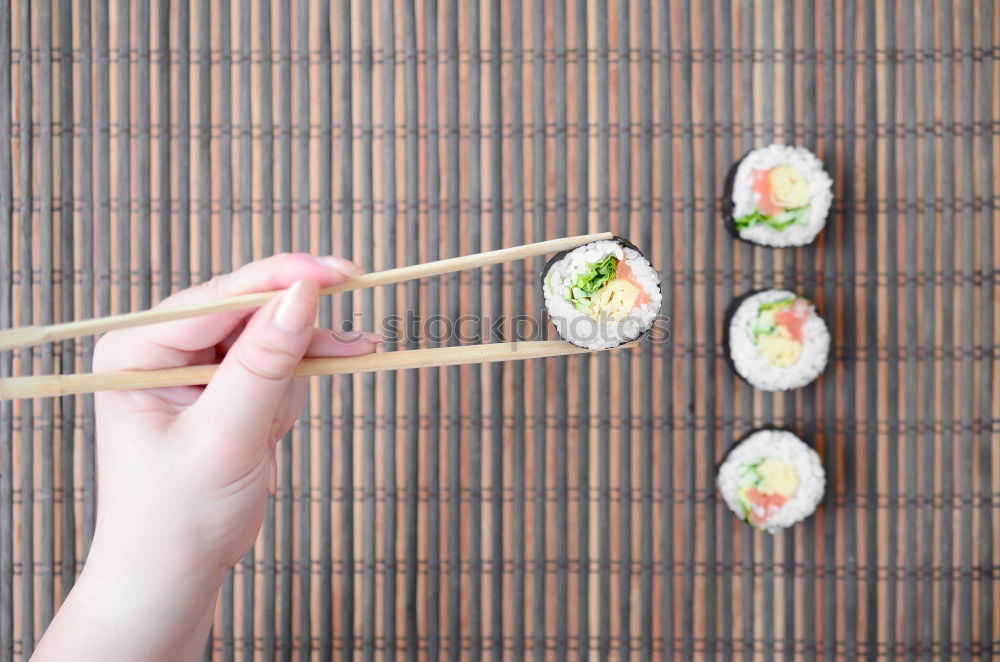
{"x":176,"y":343}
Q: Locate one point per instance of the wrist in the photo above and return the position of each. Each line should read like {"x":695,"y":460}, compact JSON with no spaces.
{"x":120,"y":610}
{"x":168,"y":570}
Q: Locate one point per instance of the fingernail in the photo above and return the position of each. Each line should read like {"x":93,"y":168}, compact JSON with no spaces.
{"x":297,"y":308}
{"x":355,"y":336}
{"x":340,"y":264}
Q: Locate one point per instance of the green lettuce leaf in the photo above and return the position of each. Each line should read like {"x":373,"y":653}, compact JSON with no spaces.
{"x":590,"y":281}
{"x":763,"y":323}
{"x":783,"y":220}
{"x":748,"y":475}
{"x":780,"y":304}
{"x":596,"y":275}
{"x":750,"y":220}
{"x":748,"y":478}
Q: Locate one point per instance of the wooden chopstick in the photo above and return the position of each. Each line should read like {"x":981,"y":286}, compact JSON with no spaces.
{"x":42,"y":386}
{"x":36,"y":335}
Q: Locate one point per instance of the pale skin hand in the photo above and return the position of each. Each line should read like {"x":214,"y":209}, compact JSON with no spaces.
{"x":183,"y":473}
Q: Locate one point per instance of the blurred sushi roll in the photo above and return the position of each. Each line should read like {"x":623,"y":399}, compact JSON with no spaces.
{"x":777,"y":340}
{"x":771,"y":480}
{"x":777,"y":196}
{"x":602,"y":294}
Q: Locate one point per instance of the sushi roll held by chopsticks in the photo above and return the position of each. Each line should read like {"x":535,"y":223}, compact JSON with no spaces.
{"x":772,"y":479}
{"x":602,"y":294}
{"x":777,"y":196}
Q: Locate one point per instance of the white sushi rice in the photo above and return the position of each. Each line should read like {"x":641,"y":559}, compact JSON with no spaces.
{"x":582,"y":330}
{"x":820,"y":195}
{"x":754,"y":367}
{"x":780,"y":445}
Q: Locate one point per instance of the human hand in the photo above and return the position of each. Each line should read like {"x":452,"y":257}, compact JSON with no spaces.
{"x":183,"y":472}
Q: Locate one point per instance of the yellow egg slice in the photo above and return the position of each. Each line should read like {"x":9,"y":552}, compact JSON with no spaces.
{"x":780,"y":348}
{"x":788,"y":187}
{"x":778,"y":478}
{"x":616,"y":300}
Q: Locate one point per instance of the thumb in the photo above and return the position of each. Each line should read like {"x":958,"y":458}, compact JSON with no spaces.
{"x":246,"y":390}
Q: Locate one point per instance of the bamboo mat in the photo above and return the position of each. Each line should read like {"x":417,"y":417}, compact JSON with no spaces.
{"x":560,"y":507}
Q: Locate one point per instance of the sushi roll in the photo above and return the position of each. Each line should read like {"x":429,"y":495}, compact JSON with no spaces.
{"x":771,"y":480}
{"x":777,"y":196}
{"x":777,"y":340}
{"x":602,"y":294}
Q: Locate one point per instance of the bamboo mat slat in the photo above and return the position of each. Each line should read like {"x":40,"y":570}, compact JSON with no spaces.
{"x":553,"y":508}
